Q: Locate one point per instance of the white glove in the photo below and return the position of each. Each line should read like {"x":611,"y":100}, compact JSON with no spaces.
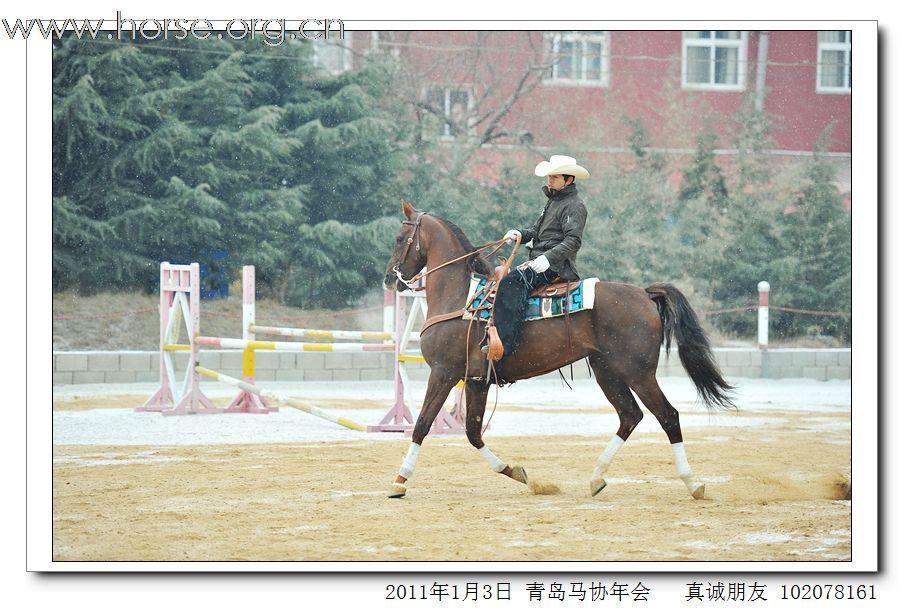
{"x":539,"y":265}
{"x":511,"y":236}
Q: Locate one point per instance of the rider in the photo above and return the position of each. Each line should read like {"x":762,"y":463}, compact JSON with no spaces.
{"x":556,"y":240}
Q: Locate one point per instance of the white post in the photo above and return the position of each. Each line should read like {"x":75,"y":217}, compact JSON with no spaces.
{"x":763,"y":319}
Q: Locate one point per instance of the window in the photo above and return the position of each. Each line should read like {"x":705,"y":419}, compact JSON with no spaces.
{"x":333,"y":55}
{"x":713,"y":59}
{"x":384,"y":43}
{"x":454,"y":104}
{"x":833,"y":69}
{"x":578,"y":58}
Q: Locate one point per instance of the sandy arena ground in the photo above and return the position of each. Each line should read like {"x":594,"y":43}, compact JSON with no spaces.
{"x":131,"y":486}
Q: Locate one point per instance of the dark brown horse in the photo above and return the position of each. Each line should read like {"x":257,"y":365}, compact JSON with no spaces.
{"x":620,"y":337}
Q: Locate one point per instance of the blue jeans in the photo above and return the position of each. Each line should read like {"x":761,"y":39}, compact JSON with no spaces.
{"x":511,"y":303}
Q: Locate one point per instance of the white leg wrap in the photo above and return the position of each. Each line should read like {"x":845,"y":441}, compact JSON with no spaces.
{"x":602,"y":464}
{"x":684,"y":468}
{"x":408,"y":464}
{"x":495,"y":462}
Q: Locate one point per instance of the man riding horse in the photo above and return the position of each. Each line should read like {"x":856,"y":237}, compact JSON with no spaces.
{"x":556,"y":238}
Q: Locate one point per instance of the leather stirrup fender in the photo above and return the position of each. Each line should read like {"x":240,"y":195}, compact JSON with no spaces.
{"x":496,"y":349}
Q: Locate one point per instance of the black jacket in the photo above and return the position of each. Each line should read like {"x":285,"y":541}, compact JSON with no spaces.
{"x":558,"y":232}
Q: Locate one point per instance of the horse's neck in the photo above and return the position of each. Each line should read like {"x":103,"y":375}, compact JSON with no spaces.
{"x":447,"y":288}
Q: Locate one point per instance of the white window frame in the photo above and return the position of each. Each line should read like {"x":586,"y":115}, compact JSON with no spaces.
{"x":554,"y":41}
{"x":448,"y":90}
{"x":344,"y":47}
{"x":738,"y":43}
{"x":387,"y":47}
{"x":833,"y":46}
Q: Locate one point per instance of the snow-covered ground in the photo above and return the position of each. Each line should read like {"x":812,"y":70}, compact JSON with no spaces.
{"x":534,"y":407}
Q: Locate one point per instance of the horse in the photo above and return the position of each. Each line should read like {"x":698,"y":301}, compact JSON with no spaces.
{"x":621,"y":338}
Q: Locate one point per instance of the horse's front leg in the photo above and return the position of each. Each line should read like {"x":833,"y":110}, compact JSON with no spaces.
{"x":439,"y":385}
{"x":477,"y":401}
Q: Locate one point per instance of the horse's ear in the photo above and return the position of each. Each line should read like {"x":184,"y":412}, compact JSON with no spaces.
{"x":408,"y":209}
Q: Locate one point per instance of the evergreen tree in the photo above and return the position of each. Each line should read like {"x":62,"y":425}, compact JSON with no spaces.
{"x":180,"y":150}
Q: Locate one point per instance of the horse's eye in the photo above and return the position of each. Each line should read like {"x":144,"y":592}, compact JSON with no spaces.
{"x":400,"y":239}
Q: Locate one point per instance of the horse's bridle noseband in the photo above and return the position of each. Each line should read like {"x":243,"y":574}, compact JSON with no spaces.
{"x":414,"y":238}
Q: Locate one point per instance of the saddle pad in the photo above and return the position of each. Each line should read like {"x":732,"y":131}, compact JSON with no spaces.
{"x":580,"y":298}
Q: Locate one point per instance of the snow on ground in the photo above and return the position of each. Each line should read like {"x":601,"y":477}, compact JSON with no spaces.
{"x":534,"y":407}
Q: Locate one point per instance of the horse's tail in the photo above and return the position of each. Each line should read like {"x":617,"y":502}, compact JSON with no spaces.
{"x":680,"y":320}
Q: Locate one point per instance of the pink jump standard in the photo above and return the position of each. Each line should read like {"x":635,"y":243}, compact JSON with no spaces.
{"x":176,"y":315}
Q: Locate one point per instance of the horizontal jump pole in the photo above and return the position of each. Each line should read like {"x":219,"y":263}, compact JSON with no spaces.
{"x":333,"y":334}
{"x":279,"y":399}
{"x":263,"y":345}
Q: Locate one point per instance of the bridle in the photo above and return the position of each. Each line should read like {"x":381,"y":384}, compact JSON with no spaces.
{"x":415,"y":238}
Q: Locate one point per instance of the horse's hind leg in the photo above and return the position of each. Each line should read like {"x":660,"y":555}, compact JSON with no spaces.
{"x":654,"y":399}
{"x":438,"y":387}
{"x":477,"y":401}
{"x":629,"y":415}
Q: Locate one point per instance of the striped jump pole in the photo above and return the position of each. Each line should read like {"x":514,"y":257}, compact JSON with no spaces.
{"x":292,"y":347}
{"x":279,"y":399}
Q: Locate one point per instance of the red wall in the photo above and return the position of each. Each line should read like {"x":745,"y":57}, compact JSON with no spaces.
{"x":645,"y":84}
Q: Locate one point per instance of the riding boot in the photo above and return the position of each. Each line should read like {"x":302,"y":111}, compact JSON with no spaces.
{"x":511,"y":304}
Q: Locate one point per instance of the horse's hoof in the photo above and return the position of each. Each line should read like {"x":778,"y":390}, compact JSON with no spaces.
{"x":596,"y":486}
{"x":519,"y":474}
{"x":698,"y":492}
{"x":397,"y":490}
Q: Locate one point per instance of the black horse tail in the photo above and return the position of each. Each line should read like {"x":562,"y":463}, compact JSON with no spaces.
{"x":680,"y":320}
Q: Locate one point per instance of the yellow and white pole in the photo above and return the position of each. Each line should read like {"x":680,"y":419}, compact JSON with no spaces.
{"x":279,"y":399}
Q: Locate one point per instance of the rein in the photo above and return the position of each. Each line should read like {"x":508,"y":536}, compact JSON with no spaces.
{"x":416,"y":239}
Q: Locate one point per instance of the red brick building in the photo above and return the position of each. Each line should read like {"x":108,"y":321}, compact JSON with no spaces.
{"x":586,"y":91}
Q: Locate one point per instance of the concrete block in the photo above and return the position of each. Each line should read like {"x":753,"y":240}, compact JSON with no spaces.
{"x":751,"y":371}
{"x":777,"y":358}
{"x":72,"y":362}
{"x":286,"y":361}
{"x":816,"y":372}
{"x":803,"y":358}
{"x":368,"y":360}
{"x":347,"y":374}
{"x":147,"y":376}
{"x":289,"y":375}
{"x":732,"y":371}
{"x":87,"y":378}
{"x":318,"y":374}
{"x":266,"y":360}
{"x":212,"y":360}
{"x":756,"y":358}
{"x":62,"y":378}
{"x":737,"y":358}
{"x":310,"y":361}
{"x":263,"y":374}
{"x":231,"y":360}
{"x":788,"y":371}
{"x":375,"y":375}
{"x":123,"y":376}
{"x":135,"y":361}
{"x":838,"y":373}
{"x":844,"y":357}
{"x":103,"y":362}
{"x":826,"y":358}
{"x":337,"y":361}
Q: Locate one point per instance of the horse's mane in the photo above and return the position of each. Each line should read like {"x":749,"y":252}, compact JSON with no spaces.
{"x":476,"y":263}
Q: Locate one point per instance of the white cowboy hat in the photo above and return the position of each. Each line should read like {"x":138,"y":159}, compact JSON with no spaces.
{"x":561,"y":164}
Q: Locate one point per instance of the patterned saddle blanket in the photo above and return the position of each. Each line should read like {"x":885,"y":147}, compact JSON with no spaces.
{"x":538,"y":307}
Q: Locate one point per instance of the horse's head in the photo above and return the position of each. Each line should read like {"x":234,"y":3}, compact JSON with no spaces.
{"x":408,"y":255}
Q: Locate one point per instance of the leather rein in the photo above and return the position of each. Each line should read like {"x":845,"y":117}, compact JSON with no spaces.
{"x":415,"y":239}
